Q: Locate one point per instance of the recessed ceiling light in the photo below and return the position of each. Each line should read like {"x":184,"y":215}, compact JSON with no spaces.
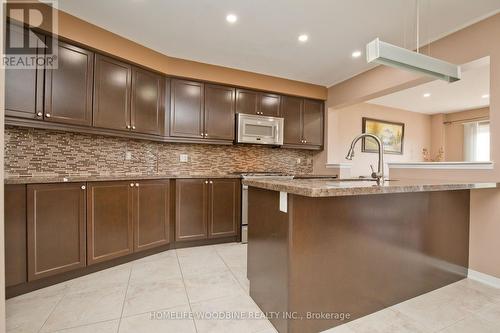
{"x":356,"y":54}
{"x":485,"y":96}
{"x":427,"y":95}
{"x":231,"y":18}
{"x":303,"y":38}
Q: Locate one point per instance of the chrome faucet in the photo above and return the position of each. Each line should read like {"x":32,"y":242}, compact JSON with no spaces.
{"x":379,"y":175}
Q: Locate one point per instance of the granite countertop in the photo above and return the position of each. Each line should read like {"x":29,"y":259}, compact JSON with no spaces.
{"x":96,"y":178}
{"x":346,"y":187}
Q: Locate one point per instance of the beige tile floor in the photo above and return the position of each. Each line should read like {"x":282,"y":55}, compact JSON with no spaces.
{"x":212,"y":279}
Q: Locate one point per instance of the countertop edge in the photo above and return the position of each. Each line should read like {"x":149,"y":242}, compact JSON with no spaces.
{"x":368,"y":190}
{"x":96,"y":178}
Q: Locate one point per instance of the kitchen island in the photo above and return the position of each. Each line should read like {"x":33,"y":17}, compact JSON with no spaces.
{"x":324,"y":252}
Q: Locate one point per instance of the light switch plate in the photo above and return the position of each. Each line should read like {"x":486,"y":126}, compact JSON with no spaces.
{"x":128,"y":155}
{"x":183,"y":158}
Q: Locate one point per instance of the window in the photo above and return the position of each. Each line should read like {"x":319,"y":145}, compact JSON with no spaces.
{"x":477,"y":141}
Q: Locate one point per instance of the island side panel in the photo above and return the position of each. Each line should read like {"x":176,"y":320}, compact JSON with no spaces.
{"x":268,"y":254}
{"x":360,"y":254}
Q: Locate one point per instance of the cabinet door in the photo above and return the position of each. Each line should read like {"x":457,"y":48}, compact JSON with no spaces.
{"x":186,"y":111}
{"x":313,"y":122}
{"x":191,"y":208}
{"x":15,"y":235}
{"x":247,"y":101}
{"x":151,"y":214}
{"x":219,"y":112}
{"x":269,"y":104}
{"x":291,"y":108}
{"x":56,"y":229}
{"x":112,"y":83}
{"x":24,"y":87}
{"x":148,"y":102}
{"x":110,"y":224}
{"x":68,"y":89}
{"x":224,"y":209}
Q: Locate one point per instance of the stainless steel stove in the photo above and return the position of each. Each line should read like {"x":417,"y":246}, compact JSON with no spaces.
{"x":244,"y":196}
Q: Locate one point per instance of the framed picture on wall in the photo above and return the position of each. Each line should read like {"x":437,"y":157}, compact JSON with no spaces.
{"x":391,"y":134}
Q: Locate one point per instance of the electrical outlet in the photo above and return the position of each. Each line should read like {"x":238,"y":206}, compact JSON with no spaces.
{"x":128,"y":155}
{"x":299,"y":161}
{"x":183,"y":158}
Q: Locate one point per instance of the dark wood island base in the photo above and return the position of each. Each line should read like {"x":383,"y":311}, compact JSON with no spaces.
{"x":342,"y":257}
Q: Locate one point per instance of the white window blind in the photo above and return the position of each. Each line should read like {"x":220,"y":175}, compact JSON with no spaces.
{"x":477,"y":141}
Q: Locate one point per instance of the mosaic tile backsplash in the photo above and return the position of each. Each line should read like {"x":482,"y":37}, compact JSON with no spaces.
{"x":36,"y":152}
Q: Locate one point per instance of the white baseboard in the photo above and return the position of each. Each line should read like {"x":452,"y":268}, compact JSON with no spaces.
{"x":484,"y":278}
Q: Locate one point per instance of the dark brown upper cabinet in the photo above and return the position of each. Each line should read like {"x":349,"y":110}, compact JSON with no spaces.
{"x":269,"y":104}
{"x":191,"y":209}
{"x":186,"y":109}
{"x":219,"y":112}
{"x":151,"y":214}
{"x":207,"y":208}
{"x":110,"y":232}
{"x":224,"y":207}
{"x":247,"y":101}
{"x":15,"y":235}
{"x":112,"y":86}
{"x":56,"y":228}
{"x":68,"y":89}
{"x":303,"y":122}
{"x":148,"y":102}
{"x":259,"y":103}
{"x":292,"y":108}
{"x":24,"y":87}
{"x":313,"y":122}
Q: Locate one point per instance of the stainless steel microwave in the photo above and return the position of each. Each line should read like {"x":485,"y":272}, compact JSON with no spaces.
{"x":259,"y":129}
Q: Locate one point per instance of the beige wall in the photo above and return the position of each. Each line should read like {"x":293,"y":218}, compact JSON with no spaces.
{"x":100,"y":39}
{"x":471,"y":43}
{"x":346,"y":123}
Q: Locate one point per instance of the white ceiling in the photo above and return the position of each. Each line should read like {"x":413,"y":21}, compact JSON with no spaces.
{"x":445,"y":97}
{"x":264,"y":39}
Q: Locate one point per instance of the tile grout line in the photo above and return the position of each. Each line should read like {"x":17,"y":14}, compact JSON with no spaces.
{"x":125,"y":298}
{"x":84,"y":325}
{"x":232,"y":273}
{"x":64,"y":293}
{"x":185,"y":290}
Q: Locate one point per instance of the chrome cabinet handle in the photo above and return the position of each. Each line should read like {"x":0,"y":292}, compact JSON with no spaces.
{"x":47,"y":115}
{"x":39,"y":114}
{"x":206,"y":181}
{"x":131,"y":184}
{"x":128,"y":126}
{"x":136,"y":184}
{"x":202,"y":134}
{"x":83,"y":187}
{"x":133,"y":127}
{"x":211,"y":182}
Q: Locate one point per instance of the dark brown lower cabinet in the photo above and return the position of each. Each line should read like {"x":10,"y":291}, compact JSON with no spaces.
{"x":15,"y":235}
{"x":224,"y":207}
{"x":151,"y":214}
{"x":207,"y":208}
{"x":191,"y":209}
{"x":56,"y":228}
{"x":110,"y":232}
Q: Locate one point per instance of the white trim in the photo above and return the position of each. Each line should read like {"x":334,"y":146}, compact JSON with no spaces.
{"x":338,"y":165}
{"x":443,"y":165}
{"x":484,"y":278}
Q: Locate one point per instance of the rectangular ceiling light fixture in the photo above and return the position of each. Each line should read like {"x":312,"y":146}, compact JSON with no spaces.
{"x":395,"y":56}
